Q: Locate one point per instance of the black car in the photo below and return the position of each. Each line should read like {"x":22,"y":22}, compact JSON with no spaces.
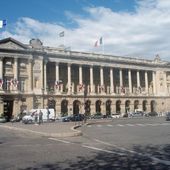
{"x":77,"y":117}
{"x":152,"y":114}
{"x":168,"y":116}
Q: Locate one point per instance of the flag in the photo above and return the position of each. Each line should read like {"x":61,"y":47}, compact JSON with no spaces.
{"x":61,"y":34}
{"x":101,"y":40}
{"x":98,"y":42}
{"x":2,"y":23}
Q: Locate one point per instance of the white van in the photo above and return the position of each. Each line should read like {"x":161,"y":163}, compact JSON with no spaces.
{"x":31,"y":115}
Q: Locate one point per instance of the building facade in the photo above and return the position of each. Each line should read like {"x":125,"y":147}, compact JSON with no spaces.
{"x":36,"y":76}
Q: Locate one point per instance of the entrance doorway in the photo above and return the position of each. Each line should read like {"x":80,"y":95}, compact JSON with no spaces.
{"x":76,"y":107}
{"x":8,"y":109}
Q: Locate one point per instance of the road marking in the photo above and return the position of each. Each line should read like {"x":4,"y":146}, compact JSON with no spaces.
{"x":88,"y":125}
{"x":103,"y":150}
{"x":110,"y":125}
{"x":99,"y":125}
{"x":165,"y":123}
{"x":140,"y":124}
{"x":120,"y":125}
{"x":129,"y":125}
{"x":156,"y":160}
{"x":59,"y":140}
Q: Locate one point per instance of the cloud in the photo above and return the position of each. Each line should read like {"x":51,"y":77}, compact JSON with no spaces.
{"x":142,"y":33}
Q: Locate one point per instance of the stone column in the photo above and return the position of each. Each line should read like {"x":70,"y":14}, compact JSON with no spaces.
{"x":91,"y":78}
{"x":15,"y":85}
{"x":130,"y":81}
{"x":146,"y":82}
{"x":165,"y":83}
{"x":16,"y":68}
{"x":111,"y":81}
{"x":1,"y":68}
{"x":30,"y":77}
{"x":57,"y":81}
{"x":57,"y":72}
{"x":45,"y":76}
{"x":101,"y":76}
{"x":69,"y":78}
{"x":80,"y":75}
{"x":121,"y":78}
{"x":1,"y":72}
{"x":154,"y":82}
{"x":138,"y":79}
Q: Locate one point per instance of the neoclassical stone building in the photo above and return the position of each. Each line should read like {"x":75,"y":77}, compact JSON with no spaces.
{"x":36,"y":76}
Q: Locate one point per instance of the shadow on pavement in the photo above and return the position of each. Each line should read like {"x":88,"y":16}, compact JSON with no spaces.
{"x":110,"y":161}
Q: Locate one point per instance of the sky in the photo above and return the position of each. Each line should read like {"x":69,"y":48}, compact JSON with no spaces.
{"x":132,"y":28}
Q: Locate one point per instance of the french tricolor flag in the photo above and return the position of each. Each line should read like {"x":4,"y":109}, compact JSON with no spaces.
{"x":3,"y":23}
{"x":98,"y":42}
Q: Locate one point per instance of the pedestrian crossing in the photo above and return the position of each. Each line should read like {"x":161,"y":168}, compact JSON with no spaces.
{"x":130,"y":125}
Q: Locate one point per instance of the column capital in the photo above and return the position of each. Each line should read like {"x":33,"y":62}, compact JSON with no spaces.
{"x":45,"y":61}
{"x":56,"y":63}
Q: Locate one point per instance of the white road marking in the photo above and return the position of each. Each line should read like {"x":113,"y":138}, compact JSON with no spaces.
{"x":120,"y":125}
{"x":156,"y":160}
{"x":109,"y":125}
{"x":99,"y":125}
{"x":103,"y":150}
{"x":59,"y":140}
{"x":165,"y":123}
{"x":140,"y":124}
{"x":129,"y":124}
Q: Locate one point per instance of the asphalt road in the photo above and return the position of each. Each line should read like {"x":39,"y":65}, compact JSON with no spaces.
{"x":121,"y":144}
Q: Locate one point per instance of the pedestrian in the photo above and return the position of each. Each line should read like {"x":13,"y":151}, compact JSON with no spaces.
{"x":36,"y":116}
{"x":40,"y":117}
{"x":48,"y":114}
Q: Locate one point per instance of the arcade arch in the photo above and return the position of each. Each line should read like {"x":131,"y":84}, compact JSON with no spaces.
{"x":64,"y":107}
{"x":98,"y":106}
{"x":76,"y":107}
{"x":108,"y":107}
{"x":118,"y":106}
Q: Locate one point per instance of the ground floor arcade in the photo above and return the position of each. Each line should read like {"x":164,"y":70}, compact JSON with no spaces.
{"x":67,"y":105}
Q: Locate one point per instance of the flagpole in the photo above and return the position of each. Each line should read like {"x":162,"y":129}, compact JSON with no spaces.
{"x":64,"y":39}
{"x":103,"y":47}
{"x":102,"y":44}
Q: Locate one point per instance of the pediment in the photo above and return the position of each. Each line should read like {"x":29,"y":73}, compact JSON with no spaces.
{"x":10,"y":43}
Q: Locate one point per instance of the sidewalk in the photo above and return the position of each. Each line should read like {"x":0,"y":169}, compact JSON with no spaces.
{"x":54,"y":129}
{"x":51,"y":129}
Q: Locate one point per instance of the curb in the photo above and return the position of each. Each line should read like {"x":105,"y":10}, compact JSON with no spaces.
{"x":65,"y":134}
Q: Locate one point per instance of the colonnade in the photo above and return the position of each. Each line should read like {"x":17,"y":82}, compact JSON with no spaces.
{"x":101,"y":85}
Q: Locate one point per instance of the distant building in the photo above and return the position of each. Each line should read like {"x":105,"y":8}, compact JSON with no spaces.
{"x":36,"y":76}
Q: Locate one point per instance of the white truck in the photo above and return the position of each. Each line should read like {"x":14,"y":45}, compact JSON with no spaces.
{"x":33,"y":115}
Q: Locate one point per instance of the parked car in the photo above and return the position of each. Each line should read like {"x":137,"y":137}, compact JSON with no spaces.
{"x":168,"y":116}
{"x":151,"y":114}
{"x":66,"y":119}
{"x":77,"y":117}
{"x":97,"y":116}
{"x":33,"y":114}
{"x":18,"y":118}
{"x":2,"y":119}
{"x":115,"y":115}
{"x":136,"y":114}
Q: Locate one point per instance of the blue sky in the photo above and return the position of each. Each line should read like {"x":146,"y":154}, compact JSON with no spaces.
{"x":55,"y":10}
{"x":135,"y":28}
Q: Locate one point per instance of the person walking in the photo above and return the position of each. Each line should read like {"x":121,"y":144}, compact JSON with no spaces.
{"x":48,"y":115}
{"x":40,"y":117}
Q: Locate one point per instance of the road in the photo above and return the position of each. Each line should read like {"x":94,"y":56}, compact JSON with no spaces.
{"x":120,"y":144}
